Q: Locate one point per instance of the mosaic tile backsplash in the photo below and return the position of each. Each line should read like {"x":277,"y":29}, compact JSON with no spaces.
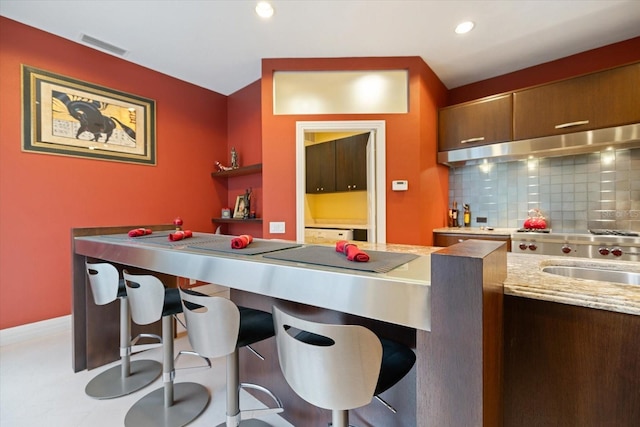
{"x":575,"y":193}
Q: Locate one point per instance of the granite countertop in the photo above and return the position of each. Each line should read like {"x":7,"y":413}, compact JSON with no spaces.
{"x":525,"y":278}
{"x":475,"y":230}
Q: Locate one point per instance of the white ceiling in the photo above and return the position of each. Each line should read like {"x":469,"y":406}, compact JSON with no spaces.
{"x":219,"y":44}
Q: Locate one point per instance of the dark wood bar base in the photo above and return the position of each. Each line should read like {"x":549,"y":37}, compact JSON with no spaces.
{"x":460,"y":360}
{"x":570,"y":366}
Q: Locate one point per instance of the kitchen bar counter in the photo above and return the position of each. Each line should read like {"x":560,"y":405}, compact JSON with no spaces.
{"x":526,"y":279}
{"x":401,"y":296}
{"x":475,"y":230}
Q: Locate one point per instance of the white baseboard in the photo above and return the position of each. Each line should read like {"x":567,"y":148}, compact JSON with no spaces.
{"x":35,"y":330}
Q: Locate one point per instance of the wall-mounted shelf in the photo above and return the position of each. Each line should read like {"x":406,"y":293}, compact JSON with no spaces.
{"x":245,"y":170}
{"x":235,"y":220}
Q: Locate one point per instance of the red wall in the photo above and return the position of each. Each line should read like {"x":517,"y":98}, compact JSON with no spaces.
{"x":245,"y":134}
{"x":43,"y":196}
{"x":410,"y":149}
{"x":585,"y":62}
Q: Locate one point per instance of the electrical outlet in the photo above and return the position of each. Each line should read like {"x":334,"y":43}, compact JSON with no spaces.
{"x":276,"y":227}
{"x":481,"y":220}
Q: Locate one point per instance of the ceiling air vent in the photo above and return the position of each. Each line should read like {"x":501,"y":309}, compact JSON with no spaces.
{"x":102,"y":45}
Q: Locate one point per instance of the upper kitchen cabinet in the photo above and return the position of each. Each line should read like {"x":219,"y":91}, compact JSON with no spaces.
{"x":321,"y":167}
{"x":594,"y":101}
{"x":480,"y":122}
{"x":351,"y":163}
{"x":337,"y":166}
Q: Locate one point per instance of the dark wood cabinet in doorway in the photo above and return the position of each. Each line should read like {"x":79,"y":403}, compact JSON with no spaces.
{"x":337,"y":166}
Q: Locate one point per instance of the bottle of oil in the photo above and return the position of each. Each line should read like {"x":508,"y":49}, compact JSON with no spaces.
{"x":467,"y":215}
{"x":454,"y":215}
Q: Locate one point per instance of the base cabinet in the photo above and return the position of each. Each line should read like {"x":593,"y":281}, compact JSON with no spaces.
{"x":570,"y":366}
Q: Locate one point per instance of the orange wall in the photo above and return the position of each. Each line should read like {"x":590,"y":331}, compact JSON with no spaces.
{"x":410,"y":143}
{"x":586,"y":62}
{"x":43,"y":196}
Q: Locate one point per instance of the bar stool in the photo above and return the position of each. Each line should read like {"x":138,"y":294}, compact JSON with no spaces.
{"x":173,"y":404}
{"x":128,"y":376}
{"x":338,"y":367}
{"x":216,"y":328}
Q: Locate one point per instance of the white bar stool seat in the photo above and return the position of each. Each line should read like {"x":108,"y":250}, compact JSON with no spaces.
{"x":127,"y":377}
{"x":172,"y":405}
{"x":216,"y":328}
{"x":338,"y":367}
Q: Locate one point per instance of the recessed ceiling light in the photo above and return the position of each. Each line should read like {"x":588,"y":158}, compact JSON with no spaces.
{"x":465,"y":27}
{"x":264,"y":9}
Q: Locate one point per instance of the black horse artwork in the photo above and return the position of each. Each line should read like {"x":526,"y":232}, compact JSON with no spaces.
{"x":91,"y":119}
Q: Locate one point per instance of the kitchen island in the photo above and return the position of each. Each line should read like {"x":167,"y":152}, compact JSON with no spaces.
{"x":455,"y":368}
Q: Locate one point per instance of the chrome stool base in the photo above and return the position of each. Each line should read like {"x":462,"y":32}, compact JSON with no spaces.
{"x":189,"y":400}
{"x":248,"y":423}
{"x":112,"y":383}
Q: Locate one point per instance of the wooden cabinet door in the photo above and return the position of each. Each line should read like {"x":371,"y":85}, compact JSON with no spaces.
{"x":320,"y":168}
{"x":599,"y":100}
{"x":351,"y":163}
{"x":481,"y":122}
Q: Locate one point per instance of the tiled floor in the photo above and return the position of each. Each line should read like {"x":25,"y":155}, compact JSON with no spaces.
{"x":39,"y":388}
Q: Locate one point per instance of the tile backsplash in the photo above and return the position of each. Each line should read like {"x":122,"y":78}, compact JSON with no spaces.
{"x":575,"y":193}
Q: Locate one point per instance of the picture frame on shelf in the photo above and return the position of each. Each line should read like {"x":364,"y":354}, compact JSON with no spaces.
{"x":238,"y":212}
{"x":69,"y":117}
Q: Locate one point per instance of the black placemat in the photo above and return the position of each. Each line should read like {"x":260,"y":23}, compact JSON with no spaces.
{"x":379,"y":262}
{"x":162,"y":238}
{"x":256,"y":247}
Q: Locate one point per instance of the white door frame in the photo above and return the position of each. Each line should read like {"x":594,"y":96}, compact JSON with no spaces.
{"x":376,"y":172}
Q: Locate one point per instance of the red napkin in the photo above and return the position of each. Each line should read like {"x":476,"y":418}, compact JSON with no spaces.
{"x":351,"y":251}
{"x":136,"y":232}
{"x":241,"y":241}
{"x":180,"y":234}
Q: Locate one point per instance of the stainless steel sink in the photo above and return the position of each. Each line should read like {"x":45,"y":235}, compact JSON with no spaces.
{"x":599,"y":274}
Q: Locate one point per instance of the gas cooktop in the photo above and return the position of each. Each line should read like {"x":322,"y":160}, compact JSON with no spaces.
{"x":604,"y":232}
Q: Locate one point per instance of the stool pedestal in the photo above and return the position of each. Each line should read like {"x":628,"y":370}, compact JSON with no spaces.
{"x":129,"y":376}
{"x":173,"y":405}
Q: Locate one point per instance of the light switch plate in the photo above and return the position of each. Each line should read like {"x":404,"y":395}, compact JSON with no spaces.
{"x":400,"y":185}
{"x":276,"y":227}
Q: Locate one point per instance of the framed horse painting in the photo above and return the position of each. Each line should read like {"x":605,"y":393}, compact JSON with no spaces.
{"x":65,"y":116}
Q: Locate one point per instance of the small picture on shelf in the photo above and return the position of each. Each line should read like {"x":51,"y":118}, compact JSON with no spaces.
{"x":240,"y":208}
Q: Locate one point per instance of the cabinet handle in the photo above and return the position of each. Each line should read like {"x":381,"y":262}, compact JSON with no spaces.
{"x":479,"y":138}
{"x":571,"y":124}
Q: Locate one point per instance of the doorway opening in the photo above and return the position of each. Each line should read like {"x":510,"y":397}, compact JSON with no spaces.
{"x":376,"y":175}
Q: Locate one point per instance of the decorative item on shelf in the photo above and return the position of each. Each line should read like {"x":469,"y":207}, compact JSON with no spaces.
{"x":222,"y":167}
{"x":178,"y":223}
{"x":247,"y":203}
{"x":234,"y":158}
{"x":226,"y":213}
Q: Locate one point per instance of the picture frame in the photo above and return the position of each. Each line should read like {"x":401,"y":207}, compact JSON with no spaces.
{"x":65,"y":116}
{"x":238,"y":212}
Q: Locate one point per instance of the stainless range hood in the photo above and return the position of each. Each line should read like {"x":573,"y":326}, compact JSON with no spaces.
{"x":627,"y":136}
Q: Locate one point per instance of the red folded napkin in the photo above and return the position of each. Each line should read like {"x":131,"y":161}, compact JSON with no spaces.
{"x":241,"y":241}
{"x":180,"y":234}
{"x":136,"y":232}
{"x":351,"y":251}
